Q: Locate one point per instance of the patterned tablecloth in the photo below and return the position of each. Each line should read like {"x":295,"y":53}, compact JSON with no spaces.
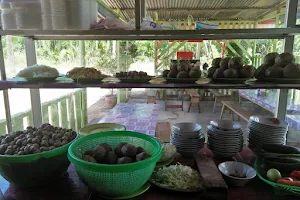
{"x":135,"y":117}
{"x":269,"y":102}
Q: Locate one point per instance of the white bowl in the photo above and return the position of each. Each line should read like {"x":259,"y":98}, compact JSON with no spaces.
{"x":187,"y":129}
{"x":231,"y":167}
{"x":225,"y":125}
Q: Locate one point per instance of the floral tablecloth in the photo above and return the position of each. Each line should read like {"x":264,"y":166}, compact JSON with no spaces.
{"x":269,"y":102}
{"x":135,"y":117}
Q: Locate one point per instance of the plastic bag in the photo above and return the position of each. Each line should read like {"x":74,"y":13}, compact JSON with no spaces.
{"x":112,"y":24}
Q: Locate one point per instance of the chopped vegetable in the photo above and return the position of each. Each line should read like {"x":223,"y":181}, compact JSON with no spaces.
{"x":168,"y":151}
{"x":178,"y":177}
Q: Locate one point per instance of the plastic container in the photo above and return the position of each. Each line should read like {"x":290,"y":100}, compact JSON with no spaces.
{"x":47,"y":22}
{"x":115,"y":180}
{"x":73,"y":14}
{"x":8,"y":19}
{"x":88,"y":13}
{"x":45,"y":7}
{"x":58,"y":7}
{"x":36,"y":169}
{"x":28,"y":14}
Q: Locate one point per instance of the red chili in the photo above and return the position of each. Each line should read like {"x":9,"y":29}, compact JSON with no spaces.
{"x":288,"y":182}
{"x":295,"y":174}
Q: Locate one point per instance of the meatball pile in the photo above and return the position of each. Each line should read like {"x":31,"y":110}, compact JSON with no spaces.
{"x":123,"y":153}
{"x":35,"y":140}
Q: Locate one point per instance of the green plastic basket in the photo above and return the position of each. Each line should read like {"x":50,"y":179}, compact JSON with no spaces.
{"x":115,"y":180}
{"x":35,"y":169}
{"x":278,"y":188}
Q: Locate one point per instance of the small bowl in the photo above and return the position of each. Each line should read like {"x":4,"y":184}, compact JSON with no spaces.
{"x":231,"y":167}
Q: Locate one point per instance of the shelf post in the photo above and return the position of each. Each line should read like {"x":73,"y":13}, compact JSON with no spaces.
{"x":34,"y":93}
{"x":5,"y":92}
{"x":138,"y":14}
{"x":143,"y":9}
{"x":290,"y":22}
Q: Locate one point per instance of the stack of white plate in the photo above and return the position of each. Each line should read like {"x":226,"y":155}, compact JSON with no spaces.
{"x":225,"y":137}
{"x":266,"y":130}
{"x":187,"y":138}
{"x":59,"y":14}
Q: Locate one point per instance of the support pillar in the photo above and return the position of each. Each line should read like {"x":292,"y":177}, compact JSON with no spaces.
{"x":34,"y":93}
{"x":5,"y":92}
{"x":282,"y":94}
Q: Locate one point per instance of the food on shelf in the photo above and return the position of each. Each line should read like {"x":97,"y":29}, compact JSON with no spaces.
{"x":35,"y":140}
{"x":247,"y":71}
{"x":85,"y":73}
{"x":230,"y":68}
{"x":178,"y":176}
{"x":269,"y":59}
{"x":235,"y":63}
{"x":231,"y":73}
{"x":224,"y":63}
{"x":284,"y":59}
{"x":273,"y":175}
{"x":122,"y":154}
{"x":292,"y":70}
{"x":183,"y":70}
{"x":38,"y":71}
{"x":132,"y":75}
{"x":278,"y":66}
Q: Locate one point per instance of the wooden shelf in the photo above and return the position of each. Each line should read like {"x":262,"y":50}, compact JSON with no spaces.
{"x":13,"y":83}
{"x":208,"y":34}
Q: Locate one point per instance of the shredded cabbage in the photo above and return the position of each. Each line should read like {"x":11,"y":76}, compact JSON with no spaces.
{"x":168,"y":151}
{"x":178,"y":177}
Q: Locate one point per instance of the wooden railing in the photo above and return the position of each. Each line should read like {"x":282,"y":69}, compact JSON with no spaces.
{"x":68,"y":111}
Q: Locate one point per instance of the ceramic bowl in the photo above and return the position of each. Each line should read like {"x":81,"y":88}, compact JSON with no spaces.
{"x":225,"y":125}
{"x":101,"y":127}
{"x":230,"y":168}
{"x":186,"y":129}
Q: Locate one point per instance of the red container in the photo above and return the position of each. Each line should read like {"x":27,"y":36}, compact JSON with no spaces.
{"x":185,"y":55}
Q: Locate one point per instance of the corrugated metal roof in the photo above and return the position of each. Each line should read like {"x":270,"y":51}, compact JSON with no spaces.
{"x":200,"y":9}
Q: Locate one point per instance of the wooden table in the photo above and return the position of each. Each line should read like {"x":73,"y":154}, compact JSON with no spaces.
{"x":69,"y":187}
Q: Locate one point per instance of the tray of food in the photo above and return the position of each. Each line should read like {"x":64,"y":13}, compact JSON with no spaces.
{"x":182,"y":72}
{"x":278,"y":166}
{"x":86,"y":75}
{"x":230,"y":70}
{"x":38,"y":73}
{"x":133,"y":77}
{"x":177,"y":177}
{"x":278,"y":68}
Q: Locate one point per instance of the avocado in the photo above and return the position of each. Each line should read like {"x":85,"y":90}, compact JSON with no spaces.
{"x":124,"y":160}
{"x":128,"y":150}
{"x":182,"y":74}
{"x":247,"y":71}
{"x":211,"y":71}
{"x":270,"y":58}
{"x":284,"y":59}
{"x":174,"y":66}
{"x":218,"y":73}
{"x":261,"y":71}
{"x":195,"y":73}
{"x":292,"y":70}
{"x":235,"y":63}
{"x":216,"y":62}
{"x":274,"y":72}
{"x":224,"y":63}
{"x":142,"y":156}
{"x":165,"y":73}
{"x":173,"y":73}
{"x":231,"y":73}
{"x":196,"y":68}
{"x":110,"y":158}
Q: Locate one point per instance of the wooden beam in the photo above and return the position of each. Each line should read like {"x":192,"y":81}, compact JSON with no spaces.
{"x":200,"y":9}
